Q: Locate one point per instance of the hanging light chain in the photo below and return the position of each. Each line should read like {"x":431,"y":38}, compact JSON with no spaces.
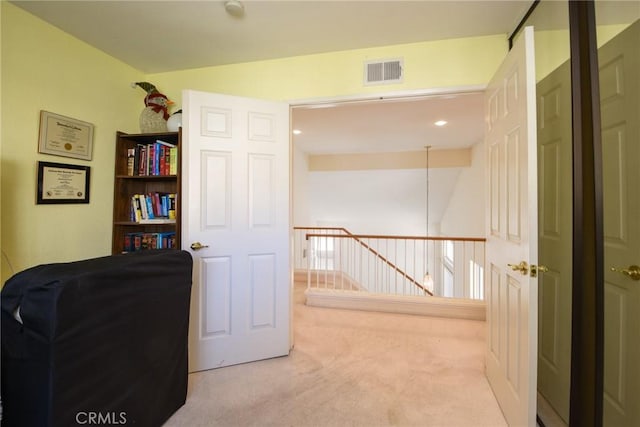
{"x":426,"y":266}
{"x":427,"y":147}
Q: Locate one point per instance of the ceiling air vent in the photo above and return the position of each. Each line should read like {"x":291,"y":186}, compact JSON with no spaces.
{"x":383,"y":72}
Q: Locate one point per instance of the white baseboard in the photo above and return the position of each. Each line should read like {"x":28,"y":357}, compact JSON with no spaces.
{"x":425,"y":306}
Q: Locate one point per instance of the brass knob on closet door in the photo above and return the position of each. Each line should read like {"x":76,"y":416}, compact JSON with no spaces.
{"x":632,"y":272}
{"x":535,"y":269}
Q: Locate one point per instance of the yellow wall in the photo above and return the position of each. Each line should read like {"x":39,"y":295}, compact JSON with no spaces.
{"x":551,"y":50}
{"x":439,"y":64}
{"x":46,"y":69}
{"x":552,"y":47}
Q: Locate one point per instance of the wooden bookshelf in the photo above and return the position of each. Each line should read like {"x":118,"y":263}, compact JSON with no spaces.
{"x":126,"y":185}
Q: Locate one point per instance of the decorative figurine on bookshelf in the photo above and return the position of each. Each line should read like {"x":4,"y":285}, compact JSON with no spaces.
{"x":175,"y":121}
{"x":154,"y":116}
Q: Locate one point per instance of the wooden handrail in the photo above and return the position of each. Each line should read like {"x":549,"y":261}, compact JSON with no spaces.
{"x":322,"y":228}
{"x":390,"y":237}
{"x":375,"y":236}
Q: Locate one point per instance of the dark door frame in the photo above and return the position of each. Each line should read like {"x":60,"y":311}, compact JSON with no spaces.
{"x":587,"y":328}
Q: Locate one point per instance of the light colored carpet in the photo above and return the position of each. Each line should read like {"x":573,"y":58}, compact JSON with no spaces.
{"x":353,"y":368}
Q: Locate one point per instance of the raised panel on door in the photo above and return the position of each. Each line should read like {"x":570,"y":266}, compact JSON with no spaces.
{"x":216,"y":189}
{"x":216,"y":122}
{"x":261,"y":191}
{"x":263,"y":281}
{"x":495,"y":189}
{"x":514,"y":334}
{"x":494,"y":311}
{"x":513,"y":184}
{"x":615,"y":192}
{"x":548,"y":330}
{"x":216,"y":297}
{"x":549,"y":166}
{"x":262,"y":127}
{"x":616,"y":374}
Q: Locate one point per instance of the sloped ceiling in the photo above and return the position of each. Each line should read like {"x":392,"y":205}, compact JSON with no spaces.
{"x":159,"y":36}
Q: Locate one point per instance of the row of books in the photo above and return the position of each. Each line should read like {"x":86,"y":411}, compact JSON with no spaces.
{"x":134,"y":242}
{"x":158,"y":158}
{"x":153,"y":208}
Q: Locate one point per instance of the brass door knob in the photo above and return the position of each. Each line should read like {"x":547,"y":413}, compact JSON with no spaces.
{"x":535,"y":269}
{"x":632,"y":272}
{"x":196,"y":246}
{"x":523,"y":267}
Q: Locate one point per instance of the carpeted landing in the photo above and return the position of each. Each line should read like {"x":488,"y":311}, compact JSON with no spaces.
{"x":354,"y":368}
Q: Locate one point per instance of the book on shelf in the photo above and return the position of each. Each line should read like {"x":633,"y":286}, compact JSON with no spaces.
{"x":151,"y":155}
{"x":131,"y":157}
{"x":137,"y":241}
{"x":127,"y":242}
{"x":153,"y":208}
{"x":172,"y":205}
{"x":143,"y":206}
{"x":159,"y":158}
{"x":173,"y":161}
{"x":167,"y":240}
{"x":149,"y":203}
{"x":149,"y":241}
{"x":164,"y":205}
{"x":136,"y":211}
{"x":163,"y":160}
{"x":157,"y":221}
{"x":157,"y":206}
{"x":142,"y":159}
{"x":164,"y":149}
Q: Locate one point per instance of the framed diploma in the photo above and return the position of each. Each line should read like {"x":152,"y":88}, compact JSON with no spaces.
{"x":64,"y":136}
{"x":62,"y":183}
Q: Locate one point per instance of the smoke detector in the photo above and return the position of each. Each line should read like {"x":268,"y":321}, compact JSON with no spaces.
{"x":234,"y":8}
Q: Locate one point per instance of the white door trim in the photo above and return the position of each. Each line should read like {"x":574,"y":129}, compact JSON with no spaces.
{"x":384,"y":96}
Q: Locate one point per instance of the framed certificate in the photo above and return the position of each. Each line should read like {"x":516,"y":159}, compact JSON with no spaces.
{"x":64,"y":136}
{"x":62,"y":183}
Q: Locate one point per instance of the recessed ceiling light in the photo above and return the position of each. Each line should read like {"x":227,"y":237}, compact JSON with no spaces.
{"x":440,"y":123}
{"x":297,"y":131}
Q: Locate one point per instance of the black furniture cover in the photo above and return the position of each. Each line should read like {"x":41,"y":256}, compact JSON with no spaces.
{"x":100,"y":342}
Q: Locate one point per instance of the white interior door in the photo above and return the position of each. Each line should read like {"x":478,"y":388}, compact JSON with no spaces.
{"x":512,"y":296}
{"x":235,"y":204}
{"x":555,"y":187}
{"x":619,"y":62}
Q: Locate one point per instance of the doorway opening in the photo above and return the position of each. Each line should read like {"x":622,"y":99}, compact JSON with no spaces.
{"x":338,"y":182}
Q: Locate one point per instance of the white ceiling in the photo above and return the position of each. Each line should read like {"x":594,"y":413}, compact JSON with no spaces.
{"x":159,"y":36}
{"x":406,"y":124}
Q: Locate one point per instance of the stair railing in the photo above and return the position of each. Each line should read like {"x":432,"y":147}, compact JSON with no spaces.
{"x":337,"y":259}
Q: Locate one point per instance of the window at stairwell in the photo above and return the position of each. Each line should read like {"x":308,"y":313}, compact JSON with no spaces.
{"x":447,"y":264}
{"x":323,"y":253}
{"x":467,"y":261}
{"x":476,"y":281}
